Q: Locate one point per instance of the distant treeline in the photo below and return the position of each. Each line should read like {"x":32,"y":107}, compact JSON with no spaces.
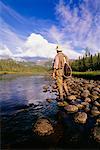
{"x":87,"y":63}
{"x":10,"y":65}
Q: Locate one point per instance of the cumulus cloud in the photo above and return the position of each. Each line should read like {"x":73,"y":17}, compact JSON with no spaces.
{"x":4,"y":51}
{"x":37,"y":45}
{"x":33,"y":45}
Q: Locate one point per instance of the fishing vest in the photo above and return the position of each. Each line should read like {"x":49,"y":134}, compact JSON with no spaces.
{"x":62,"y":60}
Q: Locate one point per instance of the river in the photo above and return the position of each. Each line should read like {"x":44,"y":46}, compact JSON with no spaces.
{"x":22,"y":91}
{"x":22,"y":102}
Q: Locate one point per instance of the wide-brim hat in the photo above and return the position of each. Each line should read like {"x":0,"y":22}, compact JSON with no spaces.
{"x":58,"y":48}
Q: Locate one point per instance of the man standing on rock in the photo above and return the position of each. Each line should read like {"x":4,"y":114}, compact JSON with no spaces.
{"x":58,"y":73}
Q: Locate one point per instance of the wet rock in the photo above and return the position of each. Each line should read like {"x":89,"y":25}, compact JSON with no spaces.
{"x":31,"y":105}
{"x":95,"y":111}
{"x":87,"y":99}
{"x":96,"y":133}
{"x":71,"y":97}
{"x":87,"y":108}
{"x":85,"y":103}
{"x":96,"y":103}
{"x":43,"y":127}
{"x":90,"y":86}
{"x":49,"y":100}
{"x":80,"y":106}
{"x":95,"y":93}
{"x":80,"y":117}
{"x":94,"y":97}
{"x":64,"y":103}
{"x":85,"y":93}
{"x":54,"y":90}
{"x":54,"y":86}
{"x":71,"y":108}
{"x":96,"y":89}
{"x":45,"y":88}
{"x":98,"y":121}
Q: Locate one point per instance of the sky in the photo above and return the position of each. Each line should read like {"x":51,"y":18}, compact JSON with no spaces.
{"x":35,"y":27}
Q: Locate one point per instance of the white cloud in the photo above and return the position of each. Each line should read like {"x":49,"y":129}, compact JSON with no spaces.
{"x":80,"y":25}
{"x":10,"y":38}
{"x":37,"y":45}
{"x":4,"y":51}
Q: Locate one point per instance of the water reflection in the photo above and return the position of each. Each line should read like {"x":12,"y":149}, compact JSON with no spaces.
{"x":22,"y":91}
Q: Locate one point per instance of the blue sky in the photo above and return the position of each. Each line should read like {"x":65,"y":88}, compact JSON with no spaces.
{"x":34,"y":27}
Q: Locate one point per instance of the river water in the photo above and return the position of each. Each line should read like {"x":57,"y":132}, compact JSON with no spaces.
{"x":22,"y":91}
{"x":22,"y":102}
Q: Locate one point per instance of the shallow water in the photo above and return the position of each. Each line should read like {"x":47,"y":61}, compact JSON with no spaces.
{"x":22,"y":91}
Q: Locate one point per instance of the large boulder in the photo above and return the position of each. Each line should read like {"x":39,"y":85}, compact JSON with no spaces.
{"x":71,"y":108}
{"x":81,"y":117}
{"x":43,"y":127}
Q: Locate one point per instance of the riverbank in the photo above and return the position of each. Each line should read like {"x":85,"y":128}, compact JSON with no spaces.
{"x":78,"y":115}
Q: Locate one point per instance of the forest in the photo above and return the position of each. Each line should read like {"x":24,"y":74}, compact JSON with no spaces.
{"x":88,"y":62}
{"x":12,"y":66}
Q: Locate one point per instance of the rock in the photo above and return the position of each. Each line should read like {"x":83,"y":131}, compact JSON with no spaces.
{"x":85,"y":93}
{"x":87,"y":108}
{"x":85,"y":103}
{"x":98,"y":121}
{"x":71,"y":108}
{"x":96,"y":89}
{"x":95,"y":111}
{"x":54,"y":86}
{"x":81,"y":117}
{"x":80,"y":106}
{"x":81,"y":89}
{"x":90,"y":86}
{"x":45,"y":88}
{"x":85,"y":82}
{"x":64,"y":103}
{"x":95,"y":93}
{"x":43,"y":127}
{"x":96,"y":103}
{"x":96,"y":133}
{"x":54,"y":90}
{"x":87,"y":99}
{"x":71,"y":97}
{"x":94,"y":97}
{"x":49,"y":100}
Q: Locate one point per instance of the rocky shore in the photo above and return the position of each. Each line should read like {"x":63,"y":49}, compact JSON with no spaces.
{"x":79,"y":108}
{"x":72,"y":123}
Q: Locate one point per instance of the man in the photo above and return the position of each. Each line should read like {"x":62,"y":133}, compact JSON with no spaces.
{"x":58,"y":73}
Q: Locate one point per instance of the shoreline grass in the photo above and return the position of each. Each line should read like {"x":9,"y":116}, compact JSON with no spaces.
{"x":88,"y":75}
